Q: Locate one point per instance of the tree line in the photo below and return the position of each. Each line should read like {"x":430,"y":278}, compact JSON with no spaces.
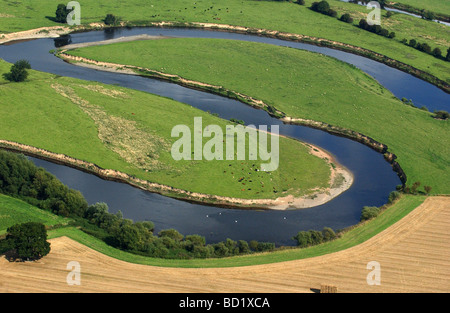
{"x":21,"y":178}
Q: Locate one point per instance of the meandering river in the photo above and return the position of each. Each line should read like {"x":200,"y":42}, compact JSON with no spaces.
{"x":373,"y":176}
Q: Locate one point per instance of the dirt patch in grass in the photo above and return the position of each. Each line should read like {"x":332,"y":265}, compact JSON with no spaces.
{"x":135,"y":146}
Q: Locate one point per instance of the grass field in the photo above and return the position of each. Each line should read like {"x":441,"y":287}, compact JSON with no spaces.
{"x":14,"y":211}
{"x":272,"y":15}
{"x":304,"y":85}
{"x":436,"y":6}
{"x":130,"y":131}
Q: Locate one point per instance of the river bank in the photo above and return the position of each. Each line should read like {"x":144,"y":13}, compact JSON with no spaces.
{"x":56,"y":31}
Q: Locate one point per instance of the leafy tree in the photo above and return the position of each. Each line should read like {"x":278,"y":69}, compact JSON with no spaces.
{"x":442,"y":115}
{"x":321,"y":7}
{"x":427,"y":189}
{"x":61,"y":13}
{"x":346,"y":18}
{"x":412,"y":43}
{"x":328,"y":234}
{"x":447,"y":57}
{"x":394,"y":195}
{"x":29,"y":240}
{"x":303,"y":239}
{"x":437,"y":52}
{"x":369,"y":213}
{"x":301,"y":2}
{"x":18,"y":71}
{"x":171,"y":233}
{"x":111,"y":19}
{"x":427,"y":15}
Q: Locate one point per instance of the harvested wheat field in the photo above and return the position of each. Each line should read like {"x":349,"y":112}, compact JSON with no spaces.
{"x":414,"y":255}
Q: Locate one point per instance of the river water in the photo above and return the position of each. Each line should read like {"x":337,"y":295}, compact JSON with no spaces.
{"x":373,"y":176}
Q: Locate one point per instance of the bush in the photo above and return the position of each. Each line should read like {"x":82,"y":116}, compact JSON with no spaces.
{"x":442,"y":115}
{"x":61,"y":13}
{"x":369,"y":213}
{"x":18,"y":71}
{"x":437,"y":53}
{"x":111,"y":19}
{"x":312,"y":237}
{"x":321,"y":7}
{"x":427,"y":15}
{"x":28,"y":240}
{"x":394,"y":195}
{"x":346,"y":18}
{"x":301,"y":2}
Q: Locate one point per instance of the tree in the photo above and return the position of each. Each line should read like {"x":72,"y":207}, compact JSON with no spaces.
{"x":346,"y":18}
{"x":447,"y":57}
{"x":301,"y":2}
{"x":61,"y":13}
{"x":394,"y":195}
{"x":29,"y":240}
{"x":413,"y":43}
{"x":328,"y":234}
{"x":427,"y":189}
{"x":363,"y":24}
{"x":303,"y":239}
{"x":18,"y":71}
{"x":171,"y":233}
{"x":321,"y":7}
{"x":392,"y":35}
{"x":442,"y":115}
{"x":427,"y":15}
{"x":111,"y":19}
{"x":415,"y":186}
{"x":369,"y":213}
{"x":437,"y":52}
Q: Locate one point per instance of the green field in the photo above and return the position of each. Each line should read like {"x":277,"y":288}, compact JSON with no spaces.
{"x":305,"y":85}
{"x":14,"y":211}
{"x":436,"y":6}
{"x":349,"y":239}
{"x":130,"y":131}
{"x":271,"y":15}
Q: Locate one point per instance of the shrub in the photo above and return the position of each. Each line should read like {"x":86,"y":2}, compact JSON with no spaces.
{"x":442,"y":115}
{"x":394,"y":195}
{"x":61,"y":13}
{"x":111,"y":19}
{"x":437,"y":52}
{"x":369,"y":213}
{"x":18,"y":71}
{"x":301,"y":2}
{"x":312,"y":237}
{"x":346,"y":18}
{"x":427,"y":189}
{"x":427,"y":15}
